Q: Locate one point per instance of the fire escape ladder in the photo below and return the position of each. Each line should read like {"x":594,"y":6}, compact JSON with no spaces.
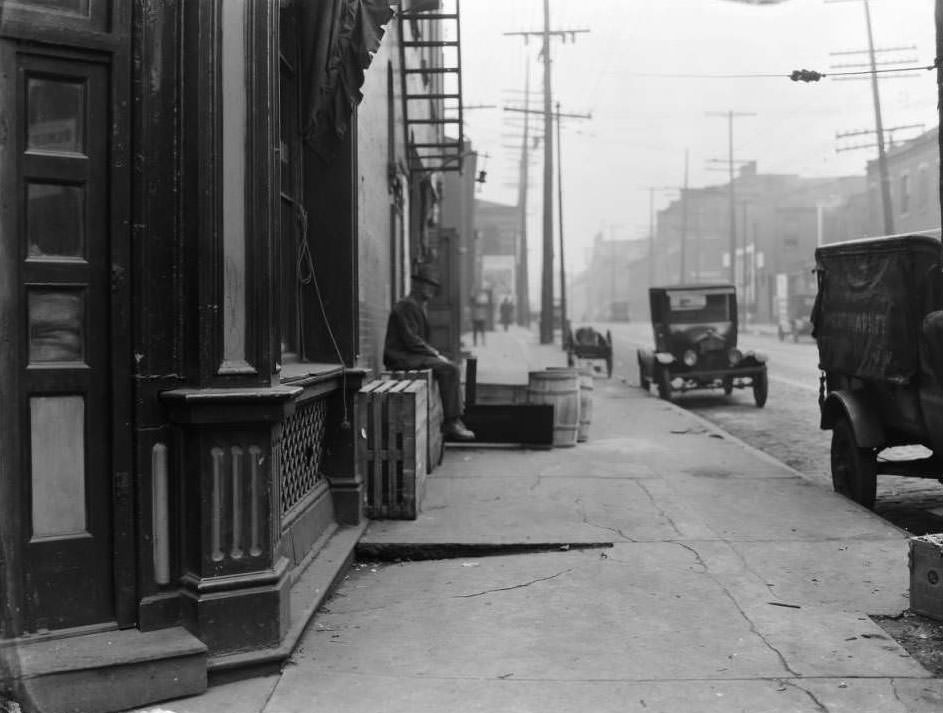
{"x":431,"y":62}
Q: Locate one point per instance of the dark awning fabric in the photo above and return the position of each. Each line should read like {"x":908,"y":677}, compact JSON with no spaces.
{"x":339,"y":38}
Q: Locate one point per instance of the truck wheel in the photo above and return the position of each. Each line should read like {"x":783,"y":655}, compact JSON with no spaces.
{"x":760,"y":389}
{"x":728,"y":385}
{"x":643,"y":380}
{"x":854,"y":469}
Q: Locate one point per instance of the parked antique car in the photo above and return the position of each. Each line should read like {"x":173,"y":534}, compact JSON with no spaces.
{"x":878,"y":325}
{"x":696,"y":344}
{"x":795,"y":318}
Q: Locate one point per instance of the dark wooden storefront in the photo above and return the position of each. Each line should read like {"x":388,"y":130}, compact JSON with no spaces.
{"x":177,"y":445}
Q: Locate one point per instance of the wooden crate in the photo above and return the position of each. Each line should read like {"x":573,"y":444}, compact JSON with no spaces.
{"x":392,"y":446}
{"x":436,"y":444}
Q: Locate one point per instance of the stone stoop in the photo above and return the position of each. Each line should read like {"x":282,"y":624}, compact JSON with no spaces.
{"x":312,"y":583}
{"x":105,"y":672}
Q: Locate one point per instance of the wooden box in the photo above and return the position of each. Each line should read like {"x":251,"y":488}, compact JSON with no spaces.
{"x":926,"y":575}
{"x":392,"y":424}
{"x":436,"y":445}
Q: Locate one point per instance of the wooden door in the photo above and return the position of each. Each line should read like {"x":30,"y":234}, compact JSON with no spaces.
{"x":444,"y":310}
{"x":63,"y":216}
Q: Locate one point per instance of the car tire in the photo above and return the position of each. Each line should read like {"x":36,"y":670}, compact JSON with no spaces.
{"x":728,"y":385}
{"x":854,"y":469}
{"x":664,"y":384}
{"x":760,"y":389}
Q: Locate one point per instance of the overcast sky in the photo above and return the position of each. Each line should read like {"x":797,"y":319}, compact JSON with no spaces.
{"x":642,"y":125}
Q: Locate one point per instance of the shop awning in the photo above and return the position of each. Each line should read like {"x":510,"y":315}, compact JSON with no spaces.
{"x":340,"y":38}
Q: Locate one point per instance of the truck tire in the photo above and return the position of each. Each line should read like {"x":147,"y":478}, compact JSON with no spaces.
{"x":854,"y":469}
{"x":664,"y":384}
{"x":760,"y":389}
{"x":728,"y":385}
{"x":643,"y":380}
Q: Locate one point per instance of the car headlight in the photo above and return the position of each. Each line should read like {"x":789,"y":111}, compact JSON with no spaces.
{"x":689,"y":358}
{"x":734,"y":356}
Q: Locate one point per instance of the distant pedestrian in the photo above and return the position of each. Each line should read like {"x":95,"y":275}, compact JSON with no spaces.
{"x":479,"y":316}
{"x":507,"y":312}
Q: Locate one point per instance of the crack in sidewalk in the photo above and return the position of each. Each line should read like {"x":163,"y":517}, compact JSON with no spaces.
{"x":818,"y":704}
{"x":658,"y":507}
{"x":515,"y":586}
{"x":756,"y":632}
{"x":586,"y":521}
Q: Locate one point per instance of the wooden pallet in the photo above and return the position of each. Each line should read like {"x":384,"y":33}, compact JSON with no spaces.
{"x":392,"y":422}
{"x":436,"y":444}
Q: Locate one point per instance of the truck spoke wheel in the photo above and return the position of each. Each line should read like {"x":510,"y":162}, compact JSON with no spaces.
{"x":760,"y":389}
{"x":854,"y":469}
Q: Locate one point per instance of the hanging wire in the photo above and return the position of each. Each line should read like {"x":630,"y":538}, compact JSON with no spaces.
{"x":305,"y":273}
{"x":660,"y":75}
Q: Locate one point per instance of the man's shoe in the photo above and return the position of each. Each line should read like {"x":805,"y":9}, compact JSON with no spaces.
{"x":455,"y":430}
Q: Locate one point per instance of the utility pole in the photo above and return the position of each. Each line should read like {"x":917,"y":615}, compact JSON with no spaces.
{"x":563,"y":312}
{"x":651,"y":227}
{"x":730,"y":115}
{"x":939,"y":80}
{"x":523,"y":274}
{"x":546,"y":282}
{"x":684,"y":220}
{"x":885,"y":180}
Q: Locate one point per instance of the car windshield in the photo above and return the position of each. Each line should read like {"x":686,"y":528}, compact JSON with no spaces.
{"x":697,"y":307}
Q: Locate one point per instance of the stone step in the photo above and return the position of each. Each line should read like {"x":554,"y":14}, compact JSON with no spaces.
{"x":104,"y":672}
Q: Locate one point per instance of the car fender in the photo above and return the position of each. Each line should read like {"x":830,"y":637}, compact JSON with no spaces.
{"x":869,"y":432}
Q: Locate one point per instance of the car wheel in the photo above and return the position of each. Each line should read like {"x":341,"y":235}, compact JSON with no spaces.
{"x":664,"y":384}
{"x":854,"y":469}
{"x":728,"y":385}
{"x":760,"y":389}
{"x":609,"y":366}
{"x":643,"y":377}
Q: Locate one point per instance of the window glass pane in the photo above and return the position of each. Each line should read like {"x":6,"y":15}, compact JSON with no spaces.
{"x":56,"y":325}
{"x":55,"y":220}
{"x":56,"y":111}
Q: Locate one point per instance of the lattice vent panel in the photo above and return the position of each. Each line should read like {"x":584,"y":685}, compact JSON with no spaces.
{"x":300,"y":450}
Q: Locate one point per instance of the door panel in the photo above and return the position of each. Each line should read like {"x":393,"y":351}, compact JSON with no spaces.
{"x":64,"y":248}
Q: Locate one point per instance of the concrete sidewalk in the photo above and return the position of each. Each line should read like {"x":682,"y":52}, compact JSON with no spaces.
{"x":661,"y":566}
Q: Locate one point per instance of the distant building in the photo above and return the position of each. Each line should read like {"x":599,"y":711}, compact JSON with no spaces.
{"x":913,"y":168}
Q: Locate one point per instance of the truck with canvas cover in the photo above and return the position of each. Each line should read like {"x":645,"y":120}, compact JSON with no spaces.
{"x":878,"y":326}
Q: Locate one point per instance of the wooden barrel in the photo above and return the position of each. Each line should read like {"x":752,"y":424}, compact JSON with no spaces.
{"x":561,"y":389}
{"x":587,"y":386}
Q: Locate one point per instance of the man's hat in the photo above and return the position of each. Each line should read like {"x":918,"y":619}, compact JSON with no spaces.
{"x":426,"y":272}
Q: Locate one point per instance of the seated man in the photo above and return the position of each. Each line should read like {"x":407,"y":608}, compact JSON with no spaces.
{"x":407,"y":347}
